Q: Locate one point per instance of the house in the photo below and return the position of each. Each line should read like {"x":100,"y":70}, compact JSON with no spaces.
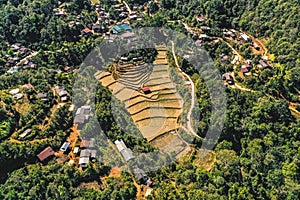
{"x":67,"y":68}
{"x":228,"y":78}
{"x":125,"y":152}
{"x":13,"y":70}
{"x":85,"y":153}
{"x":148,"y":192}
{"x":136,"y":59}
{"x":124,"y":59}
{"x":15,"y":47}
{"x":132,"y":17}
{"x":263,"y":64}
{"x":18,"y":96}
{"x":97,"y":28}
{"x":82,"y":115}
{"x":43,"y":96}
{"x":120,"y":28}
{"x":87,"y":32}
{"x":229,"y":34}
{"x":65,"y":146}
{"x":28,"y":86}
{"x":14,"y":91}
{"x":64,"y":99}
{"x":235,"y":60}
{"x":60,"y":13}
{"x":140,"y":175}
{"x":149,"y":182}
{"x":198,"y":43}
{"x":203,"y":36}
{"x":85,"y":156}
{"x":245,"y":37}
{"x":60,"y":91}
{"x":201,"y":18}
{"x":87,"y":143}
{"x":245,"y":69}
{"x":45,"y":154}
{"x":146,"y":90}
{"x":25,"y":133}
{"x":83,"y":161}
{"x":225,"y":58}
{"x":256,"y":46}
{"x":79,"y":119}
{"x":120,"y":145}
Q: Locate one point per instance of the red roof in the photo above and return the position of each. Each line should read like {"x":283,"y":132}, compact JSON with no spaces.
{"x":87,"y":30}
{"x":28,"y":86}
{"x":145,"y":89}
{"x":46,"y":153}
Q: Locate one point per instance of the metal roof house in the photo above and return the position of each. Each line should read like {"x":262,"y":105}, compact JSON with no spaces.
{"x":85,"y":156}
{"x":46,"y":153}
{"x":125,"y":152}
{"x":65,"y":146}
{"x":83,"y":161}
{"x":121,"y":28}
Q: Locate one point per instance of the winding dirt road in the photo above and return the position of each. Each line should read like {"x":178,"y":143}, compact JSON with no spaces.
{"x":189,"y":124}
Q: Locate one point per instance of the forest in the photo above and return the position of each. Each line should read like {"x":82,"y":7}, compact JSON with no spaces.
{"x":258,"y":152}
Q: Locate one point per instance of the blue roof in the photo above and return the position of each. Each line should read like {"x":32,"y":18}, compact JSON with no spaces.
{"x":121,"y":28}
{"x":13,"y":70}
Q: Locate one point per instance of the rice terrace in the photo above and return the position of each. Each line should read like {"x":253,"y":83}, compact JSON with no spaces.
{"x":151,"y":98}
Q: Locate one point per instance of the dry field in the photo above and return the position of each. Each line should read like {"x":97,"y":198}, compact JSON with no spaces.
{"x":155,"y":114}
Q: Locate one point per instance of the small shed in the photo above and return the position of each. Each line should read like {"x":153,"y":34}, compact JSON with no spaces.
{"x":76,"y":150}
{"x":25,"y":133}
{"x":263,"y":64}
{"x":87,"y":32}
{"x":146,"y":90}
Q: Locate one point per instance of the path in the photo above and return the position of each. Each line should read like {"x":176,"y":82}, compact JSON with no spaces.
{"x":260,"y":44}
{"x":127,"y":6}
{"x":72,"y":139}
{"x":33,"y":53}
{"x":189,"y":124}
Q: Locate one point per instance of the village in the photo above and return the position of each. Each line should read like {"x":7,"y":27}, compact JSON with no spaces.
{"x":129,"y":75}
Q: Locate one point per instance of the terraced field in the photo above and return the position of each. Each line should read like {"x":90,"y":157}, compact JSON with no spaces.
{"x":155,"y":113}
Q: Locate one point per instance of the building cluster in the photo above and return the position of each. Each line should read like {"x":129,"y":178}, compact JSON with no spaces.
{"x":82,"y":115}
{"x":16,"y":93}
{"x":18,"y":57}
{"x":87,"y":151}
